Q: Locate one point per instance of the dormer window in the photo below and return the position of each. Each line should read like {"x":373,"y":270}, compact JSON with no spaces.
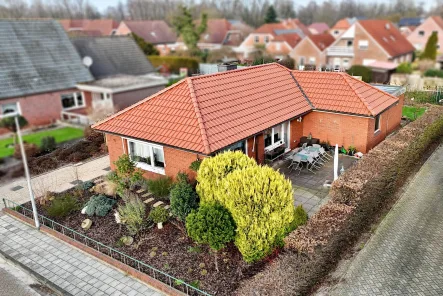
{"x":421,"y":33}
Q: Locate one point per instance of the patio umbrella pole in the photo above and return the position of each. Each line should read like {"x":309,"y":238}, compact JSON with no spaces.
{"x":336,"y":162}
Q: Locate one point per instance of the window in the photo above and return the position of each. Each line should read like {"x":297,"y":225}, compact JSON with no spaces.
{"x":10,"y":108}
{"x":105,"y":96}
{"x":302,"y":61}
{"x":256,"y":39}
{"x":345,"y":63}
{"x":363,"y":44}
{"x":276,"y":134}
{"x":421,"y":33}
{"x":377,"y":123}
{"x":278,"y":46}
{"x":336,"y":32}
{"x":266,"y":39}
{"x":349,"y":43}
{"x":239,"y":146}
{"x":148,"y":157}
{"x":71,"y":101}
{"x":312,"y":60}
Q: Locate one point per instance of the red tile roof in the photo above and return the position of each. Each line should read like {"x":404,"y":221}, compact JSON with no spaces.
{"x":342,"y":24}
{"x":209,"y":112}
{"x":155,"y":32}
{"x":319,"y":28}
{"x":104,"y":26}
{"x":292,"y":39}
{"x":388,"y":37}
{"x":270,"y":28}
{"x":340,"y":92}
{"x":322,"y":41}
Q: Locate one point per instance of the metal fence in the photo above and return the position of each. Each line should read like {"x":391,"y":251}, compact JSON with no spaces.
{"x":113,"y":253}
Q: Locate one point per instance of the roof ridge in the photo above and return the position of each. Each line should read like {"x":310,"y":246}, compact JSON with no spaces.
{"x":136,"y":104}
{"x":199,"y":116}
{"x":302,"y":91}
{"x":232,"y":71}
{"x":376,"y":88}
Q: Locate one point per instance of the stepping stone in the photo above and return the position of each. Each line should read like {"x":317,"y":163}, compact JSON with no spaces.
{"x":157,"y":204}
{"x":147,"y":194}
{"x":140,"y":191}
{"x":167,"y":207}
{"x":149,"y":200}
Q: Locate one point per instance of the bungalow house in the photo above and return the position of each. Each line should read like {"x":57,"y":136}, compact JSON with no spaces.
{"x":421,"y":34}
{"x":156,"y":32}
{"x":85,"y":27}
{"x":318,"y":28}
{"x":259,"y":110}
{"x":367,"y":42}
{"x":312,"y":50}
{"x":40,"y":69}
{"x":123,"y":76}
{"x":277,"y":39}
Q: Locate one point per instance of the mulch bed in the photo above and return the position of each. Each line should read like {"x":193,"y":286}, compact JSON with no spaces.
{"x":169,"y":250}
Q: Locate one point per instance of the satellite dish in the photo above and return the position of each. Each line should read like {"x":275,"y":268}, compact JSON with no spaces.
{"x":87,"y":61}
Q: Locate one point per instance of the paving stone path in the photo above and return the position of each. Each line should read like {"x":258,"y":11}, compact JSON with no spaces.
{"x":70,"y":269}
{"x":405,"y":255}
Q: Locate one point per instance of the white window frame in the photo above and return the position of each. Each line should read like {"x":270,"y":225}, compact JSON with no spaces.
{"x":266,"y":39}
{"x":282,"y":131}
{"x":377,"y":122}
{"x":144,"y":166}
{"x":256,"y":39}
{"x":363,"y":44}
{"x":312,"y":60}
{"x":76,"y":104}
{"x":17,"y":108}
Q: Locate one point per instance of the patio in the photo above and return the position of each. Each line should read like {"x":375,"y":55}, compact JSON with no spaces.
{"x":309,"y":189}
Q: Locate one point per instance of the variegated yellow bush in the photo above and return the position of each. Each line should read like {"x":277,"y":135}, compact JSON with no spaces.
{"x":214,"y":169}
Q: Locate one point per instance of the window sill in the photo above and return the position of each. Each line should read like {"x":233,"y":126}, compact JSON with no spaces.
{"x":377,"y":132}
{"x":150,"y":168}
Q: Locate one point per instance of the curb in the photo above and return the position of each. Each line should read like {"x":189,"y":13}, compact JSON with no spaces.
{"x":41,"y":279}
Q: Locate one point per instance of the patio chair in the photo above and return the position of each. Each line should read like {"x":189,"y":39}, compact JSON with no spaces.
{"x":297,"y":164}
{"x":311,"y":164}
{"x":289,"y":156}
{"x":304,"y":145}
{"x":317,"y":158}
{"x":325,"y":155}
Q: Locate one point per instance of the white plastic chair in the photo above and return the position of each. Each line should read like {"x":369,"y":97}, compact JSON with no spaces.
{"x":311,"y":164}
{"x":304,"y":145}
{"x":297,"y":164}
{"x":326,"y":156}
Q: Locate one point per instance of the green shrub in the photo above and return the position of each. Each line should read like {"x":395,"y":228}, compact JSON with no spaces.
{"x":174,"y":63}
{"x":183,"y":200}
{"x":160,"y":187}
{"x":300,"y":218}
{"x":430,"y":51}
{"x":99,"y":205}
{"x":126,"y":174}
{"x":132,"y":214}
{"x":260,"y":200}
{"x":159,"y":215}
{"x":62,"y":206}
{"x":146,"y":47}
{"x":434,"y":73}
{"x":87,"y":185}
{"x":195,"y":165}
{"x":182,"y":177}
{"x":213,"y":170}
{"x":288,"y":63}
{"x":363,"y":71}
{"x":48,"y":144}
{"x":405,"y":68}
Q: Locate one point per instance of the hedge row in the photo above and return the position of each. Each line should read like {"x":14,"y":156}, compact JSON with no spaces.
{"x":173,"y":63}
{"x":356,"y":198}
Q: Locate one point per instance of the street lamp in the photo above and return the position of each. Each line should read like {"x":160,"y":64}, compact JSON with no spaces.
{"x":25,"y":164}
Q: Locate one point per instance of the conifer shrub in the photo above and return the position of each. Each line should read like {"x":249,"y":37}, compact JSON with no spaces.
{"x":99,"y":205}
{"x":213,"y":170}
{"x":160,"y":187}
{"x":62,"y":206}
{"x":183,"y":200}
{"x":159,"y":215}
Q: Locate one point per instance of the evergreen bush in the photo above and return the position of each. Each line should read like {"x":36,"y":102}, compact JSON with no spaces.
{"x":48,"y":144}
{"x":62,"y":206}
{"x":159,"y":215}
{"x":183,"y":200}
{"x":99,"y":205}
{"x":174,"y":63}
{"x":363,"y":71}
{"x":160,"y":187}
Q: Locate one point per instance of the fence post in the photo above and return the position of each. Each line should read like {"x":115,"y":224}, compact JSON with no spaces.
{"x":4,"y":202}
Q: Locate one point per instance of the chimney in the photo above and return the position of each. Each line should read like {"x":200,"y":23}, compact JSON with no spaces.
{"x":226,"y":67}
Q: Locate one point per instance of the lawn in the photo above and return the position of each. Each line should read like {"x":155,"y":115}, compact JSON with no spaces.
{"x":409,"y":111}
{"x":61,"y":135}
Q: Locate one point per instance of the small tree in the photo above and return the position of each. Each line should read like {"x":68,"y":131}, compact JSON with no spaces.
{"x":9,"y":124}
{"x":430,"y":52}
{"x":132,"y":213}
{"x":271,"y":15}
{"x":212,"y":224}
{"x":185,"y":26}
{"x":183,"y":200}
{"x":126,"y":174}
{"x":213,"y":170}
{"x":48,"y":144}
{"x":363,"y":71}
{"x":146,"y":47}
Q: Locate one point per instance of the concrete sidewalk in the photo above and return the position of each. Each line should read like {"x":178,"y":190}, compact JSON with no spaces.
{"x":56,"y":181}
{"x":63,"y":266}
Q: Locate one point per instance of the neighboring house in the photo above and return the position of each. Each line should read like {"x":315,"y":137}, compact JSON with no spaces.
{"x":220,"y":33}
{"x":421,"y":34}
{"x":39,"y":70}
{"x":408,"y":24}
{"x":277,"y":39}
{"x":312,"y":50}
{"x":157,"y":33}
{"x":85,"y":27}
{"x":369,"y":41}
{"x":123,"y":75}
{"x":318,"y":28}
{"x":342,"y":26}
{"x":258,"y":110}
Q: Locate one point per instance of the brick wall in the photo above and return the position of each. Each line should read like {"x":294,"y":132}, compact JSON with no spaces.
{"x":306,"y":49}
{"x":296,"y":130}
{"x":278,"y":48}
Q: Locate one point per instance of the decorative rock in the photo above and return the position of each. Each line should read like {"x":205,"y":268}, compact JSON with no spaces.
{"x":140,"y":191}
{"x":149,"y":200}
{"x":86,"y":224}
{"x":160,"y":225}
{"x":167,"y":207}
{"x":157,"y":204}
{"x":127,"y":240}
{"x":118,"y":219}
{"x":84,"y":210}
{"x":146,"y":195}
{"x":152,"y":254}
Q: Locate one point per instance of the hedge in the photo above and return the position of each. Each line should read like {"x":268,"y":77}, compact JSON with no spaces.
{"x":174,"y":63}
{"x":314,"y":249}
{"x":434,"y":73}
{"x":363,"y":71}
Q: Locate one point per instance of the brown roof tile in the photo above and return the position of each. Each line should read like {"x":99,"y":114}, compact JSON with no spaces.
{"x":322,"y":41}
{"x":104,"y":26}
{"x":155,"y":32}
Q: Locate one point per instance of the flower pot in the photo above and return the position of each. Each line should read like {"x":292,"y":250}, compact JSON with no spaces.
{"x":160,"y":225}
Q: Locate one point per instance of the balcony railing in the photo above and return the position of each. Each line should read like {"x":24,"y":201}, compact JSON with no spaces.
{"x":340,"y":51}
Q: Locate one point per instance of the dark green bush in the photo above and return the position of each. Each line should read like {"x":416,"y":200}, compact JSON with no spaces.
{"x":48,"y":144}
{"x":288,"y":63}
{"x":434,"y":73}
{"x":99,"y":205}
{"x":405,"y":68}
{"x":159,"y":215}
{"x":160,"y":187}
{"x":174,"y":63}
{"x":183,"y":200}
{"x":62,"y":206}
{"x":359,"y":70}
{"x":195,"y":165}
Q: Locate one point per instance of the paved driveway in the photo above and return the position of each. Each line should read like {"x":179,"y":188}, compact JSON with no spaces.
{"x":405,"y":256}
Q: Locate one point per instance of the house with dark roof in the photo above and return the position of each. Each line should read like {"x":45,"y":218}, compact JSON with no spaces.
{"x":156,"y":32}
{"x":367,"y":42}
{"x":123,"y":75}
{"x":311,"y":50}
{"x":278,"y":39}
{"x":258,"y":110}
{"x":85,"y":27}
{"x":421,"y":34}
{"x":40,"y":69}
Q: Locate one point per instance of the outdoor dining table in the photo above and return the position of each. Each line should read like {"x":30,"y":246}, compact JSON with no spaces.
{"x":306,"y":152}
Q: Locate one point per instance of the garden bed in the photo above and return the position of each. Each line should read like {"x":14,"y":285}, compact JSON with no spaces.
{"x":169,"y":249}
